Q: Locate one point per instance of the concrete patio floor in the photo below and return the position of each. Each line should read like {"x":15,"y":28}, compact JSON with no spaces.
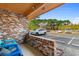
{"x":29,"y":51}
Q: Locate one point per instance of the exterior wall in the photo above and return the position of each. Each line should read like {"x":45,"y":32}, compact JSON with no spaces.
{"x":44,"y":45}
{"x":13,"y":24}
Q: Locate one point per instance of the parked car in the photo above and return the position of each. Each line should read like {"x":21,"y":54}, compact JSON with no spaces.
{"x":39,"y":32}
{"x":58,"y":31}
{"x":68,"y":31}
{"x":77,"y":30}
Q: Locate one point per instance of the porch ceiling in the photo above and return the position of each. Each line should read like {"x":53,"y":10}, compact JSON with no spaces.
{"x":31,"y":10}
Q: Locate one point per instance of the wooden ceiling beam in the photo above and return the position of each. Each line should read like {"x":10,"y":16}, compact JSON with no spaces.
{"x":43,"y":9}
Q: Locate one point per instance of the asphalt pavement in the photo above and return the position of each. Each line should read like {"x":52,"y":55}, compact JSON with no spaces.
{"x":69,"y":44}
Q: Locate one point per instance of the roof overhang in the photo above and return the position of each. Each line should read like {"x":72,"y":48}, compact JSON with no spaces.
{"x":31,"y":10}
{"x":43,"y":9}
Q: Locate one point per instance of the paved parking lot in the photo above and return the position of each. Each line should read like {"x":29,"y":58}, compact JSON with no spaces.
{"x":58,"y":38}
{"x":75,"y":42}
{"x":63,"y":39}
{"x":69,"y":44}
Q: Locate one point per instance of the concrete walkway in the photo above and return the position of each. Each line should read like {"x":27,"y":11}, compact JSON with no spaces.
{"x":29,"y":51}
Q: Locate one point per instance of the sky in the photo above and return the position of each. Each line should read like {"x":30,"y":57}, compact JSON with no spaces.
{"x":68,"y":11}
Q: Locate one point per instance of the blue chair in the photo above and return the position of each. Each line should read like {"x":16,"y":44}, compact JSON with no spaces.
{"x":12,"y":46}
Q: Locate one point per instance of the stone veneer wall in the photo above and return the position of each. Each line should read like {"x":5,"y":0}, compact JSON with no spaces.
{"x":15,"y":25}
{"x":44,"y":45}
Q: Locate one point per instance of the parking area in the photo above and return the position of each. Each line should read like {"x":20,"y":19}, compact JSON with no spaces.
{"x":63,"y":39}
{"x":75,"y":42}
{"x":66,"y":43}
